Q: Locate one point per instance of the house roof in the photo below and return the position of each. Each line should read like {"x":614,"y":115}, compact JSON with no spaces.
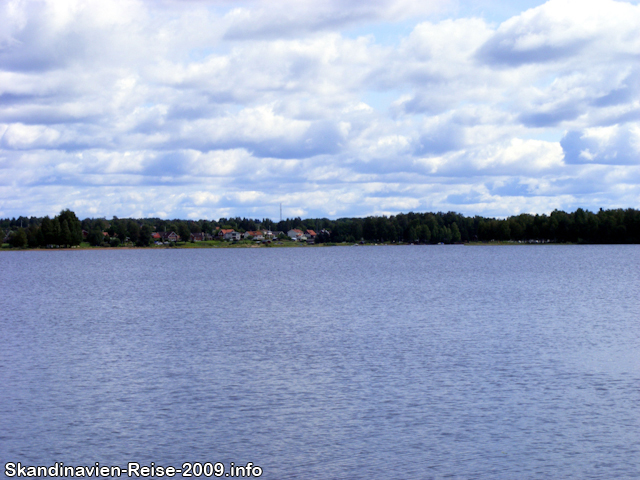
{"x":311,"y":232}
{"x":224,"y":231}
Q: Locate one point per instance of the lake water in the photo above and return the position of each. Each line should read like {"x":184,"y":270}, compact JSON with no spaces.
{"x":410,"y":362}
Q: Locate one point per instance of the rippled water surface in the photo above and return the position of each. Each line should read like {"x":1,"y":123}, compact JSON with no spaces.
{"x":326,"y":363}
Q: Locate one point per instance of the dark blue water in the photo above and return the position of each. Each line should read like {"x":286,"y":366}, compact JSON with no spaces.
{"x":327,"y":363}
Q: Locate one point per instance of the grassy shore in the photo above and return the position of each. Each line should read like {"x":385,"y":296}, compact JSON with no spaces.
{"x":249,"y":244}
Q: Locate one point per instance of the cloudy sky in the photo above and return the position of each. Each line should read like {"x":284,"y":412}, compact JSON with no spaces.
{"x":204,"y":109}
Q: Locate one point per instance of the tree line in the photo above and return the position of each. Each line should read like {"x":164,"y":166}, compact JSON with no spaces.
{"x":580,"y":226}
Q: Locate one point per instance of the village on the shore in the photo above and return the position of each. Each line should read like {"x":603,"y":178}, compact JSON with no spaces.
{"x":229,"y":234}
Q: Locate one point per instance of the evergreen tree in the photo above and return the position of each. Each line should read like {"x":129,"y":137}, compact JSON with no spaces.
{"x":66,"y":237}
{"x":55,"y":232}
{"x":47,"y":236}
{"x":74,"y":226}
{"x":32,"y":237}
{"x":145,"y":236}
{"x":40,"y":236}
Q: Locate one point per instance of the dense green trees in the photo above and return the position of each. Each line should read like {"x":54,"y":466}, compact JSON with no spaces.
{"x":145,"y":235}
{"x":18,"y":239}
{"x":133,"y":231}
{"x":70,"y":228}
{"x":605,"y":226}
{"x":95,"y":237}
{"x":63,"y":230}
{"x":184,"y":231}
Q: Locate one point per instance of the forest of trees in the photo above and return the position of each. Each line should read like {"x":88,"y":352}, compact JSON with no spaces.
{"x":605,"y":226}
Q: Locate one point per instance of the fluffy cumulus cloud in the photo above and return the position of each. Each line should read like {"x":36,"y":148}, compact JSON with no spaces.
{"x":210,"y":108}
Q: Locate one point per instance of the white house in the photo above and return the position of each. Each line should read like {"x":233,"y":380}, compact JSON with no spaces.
{"x":294,"y":234}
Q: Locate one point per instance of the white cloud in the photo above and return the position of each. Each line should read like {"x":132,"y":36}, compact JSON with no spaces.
{"x":19,"y":136}
{"x":287,"y":18}
{"x":615,"y":145}
{"x":561,"y":30}
{"x":210,"y":107}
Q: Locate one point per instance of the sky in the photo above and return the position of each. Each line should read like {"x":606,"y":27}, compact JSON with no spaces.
{"x":333,"y":108}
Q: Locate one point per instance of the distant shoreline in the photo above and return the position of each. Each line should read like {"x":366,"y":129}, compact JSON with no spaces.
{"x":580,"y":227}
